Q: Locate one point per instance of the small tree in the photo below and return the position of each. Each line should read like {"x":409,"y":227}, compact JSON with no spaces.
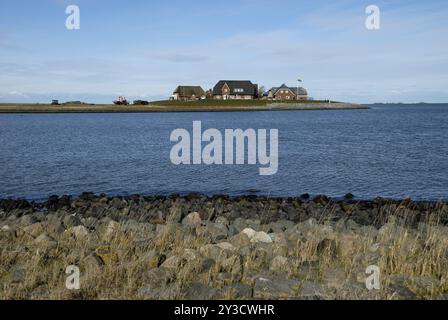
{"x":141,"y":102}
{"x":261,"y":91}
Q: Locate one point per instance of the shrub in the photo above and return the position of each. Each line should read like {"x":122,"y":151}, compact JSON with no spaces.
{"x":141,"y":102}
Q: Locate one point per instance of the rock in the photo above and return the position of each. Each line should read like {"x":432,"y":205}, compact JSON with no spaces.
{"x":305,"y":196}
{"x":222,"y":221}
{"x":159,"y":277}
{"x":257,"y":237}
{"x":174,"y":263}
{"x":45,"y":241}
{"x":312,"y":291}
{"x":282,"y":265}
{"x":8,"y":233}
{"x":275,"y":288}
{"x":281,"y":226}
{"x":40,"y":293}
{"x":91,"y":223}
{"x":303,"y":227}
{"x":153,"y":259}
{"x":215,"y":252}
{"x":18,"y":274}
{"x":167,"y":292}
{"x":28,"y":220}
{"x":398,"y":288}
{"x":226,"y":246}
{"x":198,"y":291}
{"x":279,"y":238}
{"x":250,"y":233}
{"x":118,"y":203}
{"x":71,"y":221}
{"x":237,"y":291}
{"x":191,"y":255}
{"x":253,"y":224}
{"x":212,"y":231}
{"x":349,"y":196}
{"x":240,"y":240}
{"x":334,"y":278}
{"x":192,"y":220}
{"x":321,"y":199}
{"x":79,"y":232}
{"x":262,"y":237}
{"x":93,"y":261}
{"x":425,"y":286}
{"x":239,"y":224}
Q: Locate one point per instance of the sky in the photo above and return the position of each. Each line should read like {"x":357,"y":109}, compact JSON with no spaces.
{"x":143,"y":49}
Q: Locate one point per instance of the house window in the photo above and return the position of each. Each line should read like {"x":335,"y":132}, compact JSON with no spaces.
{"x":239,"y":90}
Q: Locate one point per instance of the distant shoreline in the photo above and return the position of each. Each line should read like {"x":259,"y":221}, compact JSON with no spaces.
{"x":156,"y":108}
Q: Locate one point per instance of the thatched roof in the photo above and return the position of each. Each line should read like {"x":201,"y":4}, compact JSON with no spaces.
{"x":188,"y":91}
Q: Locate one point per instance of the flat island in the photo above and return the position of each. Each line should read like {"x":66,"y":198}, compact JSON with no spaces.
{"x":179,"y":106}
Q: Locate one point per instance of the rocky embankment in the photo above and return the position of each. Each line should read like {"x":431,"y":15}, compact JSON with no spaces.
{"x":198,"y":247}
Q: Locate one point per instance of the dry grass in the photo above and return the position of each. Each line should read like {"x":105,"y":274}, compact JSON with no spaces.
{"x":418,"y":257}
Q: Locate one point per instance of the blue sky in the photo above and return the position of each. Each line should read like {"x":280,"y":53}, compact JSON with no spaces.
{"x":144,"y":49}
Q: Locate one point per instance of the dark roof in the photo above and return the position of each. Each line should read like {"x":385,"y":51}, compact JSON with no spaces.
{"x":302,"y":91}
{"x":247,"y":86}
{"x":188,"y":91}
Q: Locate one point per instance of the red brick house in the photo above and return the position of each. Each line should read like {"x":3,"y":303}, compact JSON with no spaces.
{"x":286,"y":93}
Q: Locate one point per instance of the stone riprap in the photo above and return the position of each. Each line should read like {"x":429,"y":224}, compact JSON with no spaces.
{"x":198,"y":247}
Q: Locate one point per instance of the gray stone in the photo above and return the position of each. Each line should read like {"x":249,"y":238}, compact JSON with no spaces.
{"x":93,"y":261}
{"x":213,"y":232}
{"x":71,"y":221}
{"x":237,"y":291}
{"x":198,"y":291}
{"x":192,"y":220}
{"x":275,"y":288}
{"x":239,"y":224}
{"x":281,"y":226}
{"x":28,"y":220}
{"x":18,"y":274}
{"x":334,"y":278}
{"x":174,"y":263}
{"x":79,"y":232}
{"x":222,"y":221}
{"x":261,"y":237}
{"x":46,"y":241}
{"x":240,"y":240}
{"x":312,"y":291}
{"x":282,"y":265}
{"x":159,"y":277}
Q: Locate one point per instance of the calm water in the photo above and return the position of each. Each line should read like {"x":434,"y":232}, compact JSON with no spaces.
{"x":385,"y":151}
